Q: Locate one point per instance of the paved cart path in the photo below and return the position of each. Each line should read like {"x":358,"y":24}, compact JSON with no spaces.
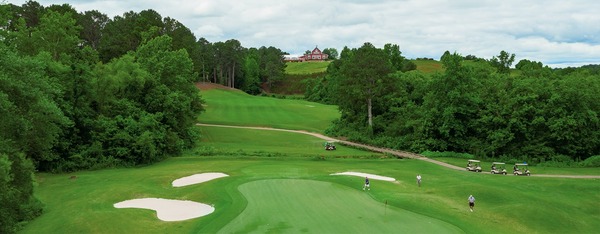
{"x":397,"y":153}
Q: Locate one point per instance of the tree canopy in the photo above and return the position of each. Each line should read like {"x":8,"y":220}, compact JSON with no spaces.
{"x":482,"y":107}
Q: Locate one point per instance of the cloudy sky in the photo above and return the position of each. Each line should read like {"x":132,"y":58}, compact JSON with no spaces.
{"x":557,"y":33}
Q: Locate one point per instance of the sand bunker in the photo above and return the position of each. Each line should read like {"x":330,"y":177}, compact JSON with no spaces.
{"x":197,"y":178}
{"x":169,"y":210}
{"x":371,"y":176}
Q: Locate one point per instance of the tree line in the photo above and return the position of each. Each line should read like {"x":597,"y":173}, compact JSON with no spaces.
{"x":532,"y":113}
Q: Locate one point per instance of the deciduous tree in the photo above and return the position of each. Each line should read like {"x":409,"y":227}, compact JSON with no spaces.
{"x":331,"y":52}
{"x":503,"y":62}
{"x":92,"y":23}
{"x":364,"y":75}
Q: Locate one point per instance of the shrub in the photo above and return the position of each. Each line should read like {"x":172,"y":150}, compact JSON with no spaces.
{"x":558,"y":161}
{"x":593,"y":161}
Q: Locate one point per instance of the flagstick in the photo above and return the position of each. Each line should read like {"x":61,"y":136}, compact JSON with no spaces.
{"x":385,"y":209}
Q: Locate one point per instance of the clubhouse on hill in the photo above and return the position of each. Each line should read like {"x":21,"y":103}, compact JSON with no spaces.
{"x":315,"y":55}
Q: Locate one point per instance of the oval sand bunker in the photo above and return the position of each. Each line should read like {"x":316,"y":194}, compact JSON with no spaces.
{"x":169,"y":210}
{"x":371,"y":176}
{"x":197,"y":178}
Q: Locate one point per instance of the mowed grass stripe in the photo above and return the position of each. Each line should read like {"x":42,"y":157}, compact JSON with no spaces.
{"x":254,"y":142}
{"x":306,"y":206}
{"x":236,"y":108}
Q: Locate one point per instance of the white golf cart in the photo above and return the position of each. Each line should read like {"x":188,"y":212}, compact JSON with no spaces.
{"x":329,"y":146}
{"x":474,"y":165}
{"x":521,"y":169}
{"x":499,"y":168}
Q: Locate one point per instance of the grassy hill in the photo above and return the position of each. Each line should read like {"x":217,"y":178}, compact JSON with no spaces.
{"x":428,"y":66}
{"x":239,"y":108}
{"x":296,"y":73}
{"x":306,"y":67}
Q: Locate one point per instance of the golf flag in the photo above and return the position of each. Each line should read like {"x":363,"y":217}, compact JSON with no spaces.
{"x":385,"y":208}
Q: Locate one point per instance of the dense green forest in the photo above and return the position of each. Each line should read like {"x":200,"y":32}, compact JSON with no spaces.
{"x":476,"y":106}
{"x":79,"y":90}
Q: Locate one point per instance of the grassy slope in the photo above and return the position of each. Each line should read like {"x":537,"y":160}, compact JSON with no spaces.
{"x":296,"y":74}
{"x":306,"y":67}
{"x":429,"y":66}
{"x":238,"y":108}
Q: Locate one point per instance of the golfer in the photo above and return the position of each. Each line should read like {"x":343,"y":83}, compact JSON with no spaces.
{"x":367,"y":185}
{"x":471,"y":202}
{"x":419,"y":180}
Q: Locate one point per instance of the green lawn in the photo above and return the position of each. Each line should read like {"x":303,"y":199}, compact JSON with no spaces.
{"x":306,"y":67}
{"x":238,"y":108}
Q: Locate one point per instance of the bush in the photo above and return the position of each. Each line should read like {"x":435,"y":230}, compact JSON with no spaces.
{"x":593,"y":161}
{"x":18,"y":205}
{"x":558,"y":161}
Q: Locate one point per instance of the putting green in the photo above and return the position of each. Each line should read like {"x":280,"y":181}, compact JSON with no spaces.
{"x":308,"y":206}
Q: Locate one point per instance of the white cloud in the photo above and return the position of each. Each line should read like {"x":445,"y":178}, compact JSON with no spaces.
{"x":210,"y":31}
{"x":554,"y":32}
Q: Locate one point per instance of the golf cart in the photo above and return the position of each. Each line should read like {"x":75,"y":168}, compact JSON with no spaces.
{"x":524,"y":171}
{"x":329,"y":146}
{"x":498,"y":168}
{"x":473,"y":165}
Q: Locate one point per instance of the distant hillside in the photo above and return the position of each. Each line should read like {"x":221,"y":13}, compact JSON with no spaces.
{"x":303,"y":68}
{"x":428,"y":66}
{"x":306,"y":67}
{"x":295,"y":73}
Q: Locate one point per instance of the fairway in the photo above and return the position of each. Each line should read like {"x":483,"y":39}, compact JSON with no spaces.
{"x":305,"y":206}
{"x":266,"y":143}
{"x":238,"y":108}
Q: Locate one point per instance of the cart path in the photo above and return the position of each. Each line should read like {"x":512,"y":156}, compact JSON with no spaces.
{"x":397,"y":153}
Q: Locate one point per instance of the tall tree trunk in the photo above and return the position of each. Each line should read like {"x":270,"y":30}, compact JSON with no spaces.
{"x":369,"y":111}
{"x":215,"y":75}
{"x":370,"y":107}
{"x":204,"y":75}
{"x":229,"y":77}
{"x":233,"y":76}
{"x":221,"y":76}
